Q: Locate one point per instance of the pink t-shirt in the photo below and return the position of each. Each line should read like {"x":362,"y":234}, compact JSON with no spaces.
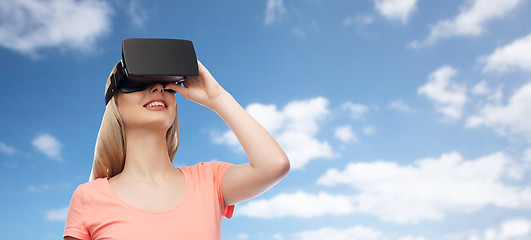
{"x":96,"y":212}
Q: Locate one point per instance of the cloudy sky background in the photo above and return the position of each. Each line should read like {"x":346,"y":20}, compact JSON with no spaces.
{"x":403,"y":119}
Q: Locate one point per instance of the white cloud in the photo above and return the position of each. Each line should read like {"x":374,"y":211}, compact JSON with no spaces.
{"x":46,"y":187}
{"x":57,"y":214}
{"x":449,"y":97}
{"x":242,"y":236}
{"x":278,"y":236}
{"x":268,"y":116}
{"x":345,"y":134}
{"x":470,"y":21}
{"x":411,"y":238}
{"x":299,"y":204}
{"x":353,"y":233}
{"x":507,"y":120}
{"x":513,"y":229}
{"x":298,"y":32}
{"x":228,"y":138}
{"x":359,"y":20}
{"x":399,"y":105}
{"x":302,"y":147}
{"x":294,"y":127}
{"x":48,"y":145}
{"x":6,"y":149}
{"x":481,"y":88}
{"x":396,"y":9}
{"x":274,"y":11}
{"x":30,"y":25}
{"x":485,"y":94}
{"x":368,"y":130}
{"x":357,"y":111}
{"x":527,"y":155}
{"x":510,"y":57}
{"x":137,"y":13}
{"x":428,"y":188}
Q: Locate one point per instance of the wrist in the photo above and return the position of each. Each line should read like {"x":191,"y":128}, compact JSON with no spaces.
{"x":217,"y":105}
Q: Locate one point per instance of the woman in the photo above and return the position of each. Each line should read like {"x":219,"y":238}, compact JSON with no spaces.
{"x":136,"y":193}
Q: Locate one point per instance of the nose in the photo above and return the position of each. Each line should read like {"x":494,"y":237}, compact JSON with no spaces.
{"x":157,"y":87}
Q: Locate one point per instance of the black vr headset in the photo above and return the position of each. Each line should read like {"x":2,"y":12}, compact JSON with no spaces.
{"x":146,"y":61}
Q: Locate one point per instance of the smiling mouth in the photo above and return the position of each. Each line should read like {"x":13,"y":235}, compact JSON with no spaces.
{"x":156,"y":108}
{"x":155,"y":104}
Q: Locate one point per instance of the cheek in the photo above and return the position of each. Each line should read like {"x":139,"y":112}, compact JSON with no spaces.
{"x":128,"y":101}
{"x":173,"y":109}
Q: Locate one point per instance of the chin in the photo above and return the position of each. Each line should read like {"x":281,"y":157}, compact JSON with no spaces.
{"x":155,"y":123}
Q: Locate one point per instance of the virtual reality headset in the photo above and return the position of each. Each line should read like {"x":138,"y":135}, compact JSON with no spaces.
{"x":146,"y":61}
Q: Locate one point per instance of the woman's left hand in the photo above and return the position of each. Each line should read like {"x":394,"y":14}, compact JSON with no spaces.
{"x":202,"y":89}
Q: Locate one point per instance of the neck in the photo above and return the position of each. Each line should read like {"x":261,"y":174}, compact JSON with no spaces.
{"x":146,"y":155}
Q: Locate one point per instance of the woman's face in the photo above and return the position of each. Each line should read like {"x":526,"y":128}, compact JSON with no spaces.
{"x":152,"y":108}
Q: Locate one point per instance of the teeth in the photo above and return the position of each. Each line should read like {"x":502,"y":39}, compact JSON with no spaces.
{"x":153,"y":104}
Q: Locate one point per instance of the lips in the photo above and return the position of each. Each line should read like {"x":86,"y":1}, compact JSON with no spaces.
{"x":157,"y":102}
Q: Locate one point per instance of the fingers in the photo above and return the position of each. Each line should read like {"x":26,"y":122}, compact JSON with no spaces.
{"x":185,"y":92}
{"x":171,"y":85}
{"x":199,"y":64}
{"x":178,"y":88}
{"x":202,"y":69}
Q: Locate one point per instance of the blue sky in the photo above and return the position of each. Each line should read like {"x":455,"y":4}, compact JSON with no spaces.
{"x":403,"y":119}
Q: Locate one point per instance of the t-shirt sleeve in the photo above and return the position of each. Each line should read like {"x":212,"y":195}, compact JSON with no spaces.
{"x":75,"y":220}
{"x":219,"y":169}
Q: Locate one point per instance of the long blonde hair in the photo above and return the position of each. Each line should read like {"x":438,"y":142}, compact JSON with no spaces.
{"x":109,"y":152}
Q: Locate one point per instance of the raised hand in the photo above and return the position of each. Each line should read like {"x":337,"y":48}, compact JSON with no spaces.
{"x":202,"y":89}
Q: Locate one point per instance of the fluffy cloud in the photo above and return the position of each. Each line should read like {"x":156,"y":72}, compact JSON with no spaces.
{"x":6,"y":149}
{"x":399,"y":105}
{"x":298,"y":32}
{"x":430,"y":187}
{"x":395,"y":9}
{"x":298,"y":204}
{"x":470,"y":21}
{"x":511,"y":119}
{"x":527,"y":155}
{"x":509,"y":57}
{"x":424,"y":190}
{"x":357,"y":111}
{"x":274,"y":11}
{"x":513,"y":229}
{"x":28,"y":26}
{"x":345,"y":134}
{"x":57,"y":214}
{"x":47,"y":187}
{"x":353,"y":233}
{"x":449,"y":97}
{"x":242,"y":236}
{"x":228,"y":138}
{"x":49,"y":146}
{"x":294,"y":127}
{"x":277,"y":236}
{"x":137,"y":13}
{"x":359,"y":20}
{"x":368,"y":130}
{"x":481,"y":88}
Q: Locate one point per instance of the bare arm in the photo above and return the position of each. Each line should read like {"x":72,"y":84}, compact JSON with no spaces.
{"x":268,"y":163}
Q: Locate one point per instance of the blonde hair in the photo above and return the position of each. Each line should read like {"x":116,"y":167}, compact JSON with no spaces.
{"x":110,"y":149}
